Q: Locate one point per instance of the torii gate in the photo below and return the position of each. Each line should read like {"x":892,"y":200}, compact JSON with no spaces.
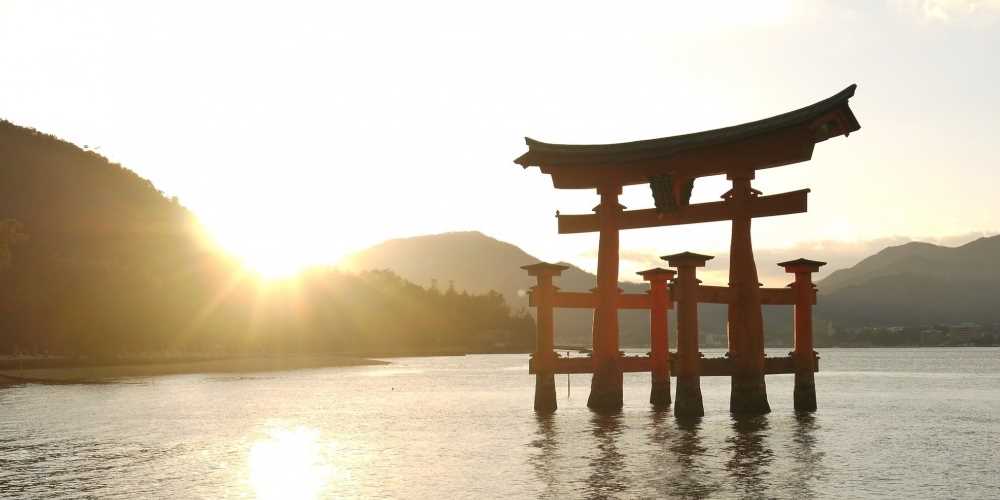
{"x":670,"y":165}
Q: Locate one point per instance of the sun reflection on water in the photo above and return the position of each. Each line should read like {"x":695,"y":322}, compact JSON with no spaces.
{"x":291,"y":464}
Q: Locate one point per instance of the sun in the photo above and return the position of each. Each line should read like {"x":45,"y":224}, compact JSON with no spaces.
{"x":275,"y":247}
{"x":272,"y":266}
{"x":270,"y":254}
{"x":280,"y":225}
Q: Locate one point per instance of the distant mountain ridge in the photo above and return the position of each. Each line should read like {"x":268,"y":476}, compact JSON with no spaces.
{"x":973,"y":261}
{"x":477,"y":263}
{"x":917,"y":284}
{"x":907,"y":285}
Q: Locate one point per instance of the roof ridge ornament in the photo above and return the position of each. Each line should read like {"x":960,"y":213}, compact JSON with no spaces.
{"x":668,"y":196}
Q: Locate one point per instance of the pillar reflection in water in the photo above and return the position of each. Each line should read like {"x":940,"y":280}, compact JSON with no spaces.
{"x":751,"y":454}
{"x":546,"y":456}
{"x":661,"y":434}
{"x":691,"y":479}
{"x":607,"y":465}
{"x":808,"y":463}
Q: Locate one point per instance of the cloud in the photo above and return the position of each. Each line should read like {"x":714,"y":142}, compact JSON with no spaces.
{"x":946,"y":11}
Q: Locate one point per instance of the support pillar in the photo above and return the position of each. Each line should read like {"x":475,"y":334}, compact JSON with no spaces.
{"x":687,"y":402}
{"x":748,"y":392}
{"x":659,"y":336}
{"x":606,"y":386}
{"x":804,"y":355}
{"x":544,"y":356}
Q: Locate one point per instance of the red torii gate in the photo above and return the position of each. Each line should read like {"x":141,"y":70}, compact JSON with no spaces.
{"x":670,"y":165}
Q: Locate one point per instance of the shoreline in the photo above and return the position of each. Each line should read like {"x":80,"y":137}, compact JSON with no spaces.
{"x":69,"y":371}
{"x":840,"y":347}
{"x":64,"y":372}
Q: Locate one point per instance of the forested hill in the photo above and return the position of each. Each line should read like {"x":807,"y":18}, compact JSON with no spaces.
{"x":917,"y":284}
{"x":470,"y":260}
{"x":112,"y":266}
{"x":66,"y":194}
{"x":908,"y":285}
{"x":100,"y":240}
{"x":473,"y":261}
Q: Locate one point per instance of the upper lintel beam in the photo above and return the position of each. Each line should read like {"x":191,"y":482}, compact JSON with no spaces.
{"x":764,"y":206}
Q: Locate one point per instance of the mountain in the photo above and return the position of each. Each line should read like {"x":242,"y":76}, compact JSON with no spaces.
{"x":916,"y":284}
{"x":471,"y":260}
{"x":108,"y":260}
{"x":65,"y":193}
{"x":478,"y":263}
{"x":907,"y":285}
{"x":974,"y":261}
{"x":112,"y":267}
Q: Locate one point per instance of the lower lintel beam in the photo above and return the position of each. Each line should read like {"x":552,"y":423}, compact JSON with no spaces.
{"x":710,"y":367}
{"x":587,"y":300}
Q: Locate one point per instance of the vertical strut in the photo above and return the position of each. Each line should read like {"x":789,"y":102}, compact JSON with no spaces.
{"x":606,"y":386}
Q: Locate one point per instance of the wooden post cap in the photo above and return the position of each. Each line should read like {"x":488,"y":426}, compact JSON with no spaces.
{"x":597,"y":209}
{"x":544,"y":269}
{"x":802,"y":266}
{"x":687,"y":259}
{"x":657,"y":274}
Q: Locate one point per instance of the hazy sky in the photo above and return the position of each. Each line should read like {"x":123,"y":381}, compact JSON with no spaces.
{"x":299,"y":131}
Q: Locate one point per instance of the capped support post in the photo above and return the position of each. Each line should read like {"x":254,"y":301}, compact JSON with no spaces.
{"x":659,"y":336}
{"x":804,"y":355}
{"x":748,"y":391}
{"x":544,"y":356}
{"x":606,"y":385}
{"x":687,"y":402}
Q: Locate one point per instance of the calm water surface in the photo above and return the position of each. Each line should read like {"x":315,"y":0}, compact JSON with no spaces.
{"x":919,"y":423}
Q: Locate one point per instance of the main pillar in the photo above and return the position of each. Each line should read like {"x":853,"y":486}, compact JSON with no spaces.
{"x":606,"y":386}
{"x":688,"y":401}
{"x":659,"y":336}
{"x":544,"y":356}
{"x":748,"y":393}
{"x":805,"y":357}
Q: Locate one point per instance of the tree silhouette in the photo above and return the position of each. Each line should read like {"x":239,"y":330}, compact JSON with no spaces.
{"x":10,"y":233}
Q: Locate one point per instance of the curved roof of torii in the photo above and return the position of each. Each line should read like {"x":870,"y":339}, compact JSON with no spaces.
{"x":778,"y":140}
